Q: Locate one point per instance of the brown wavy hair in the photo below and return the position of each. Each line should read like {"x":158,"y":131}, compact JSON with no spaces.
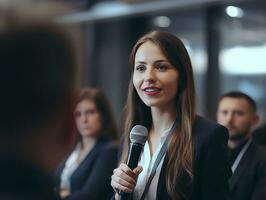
{"x":136,"y":112}
{"x":109,"y":128}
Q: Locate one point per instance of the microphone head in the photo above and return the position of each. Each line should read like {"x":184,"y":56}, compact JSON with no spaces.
{"x":138,"y":134}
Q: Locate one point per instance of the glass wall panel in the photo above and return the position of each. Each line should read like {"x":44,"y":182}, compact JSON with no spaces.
{"x":189,"y":27}
{"x":243,"y":53}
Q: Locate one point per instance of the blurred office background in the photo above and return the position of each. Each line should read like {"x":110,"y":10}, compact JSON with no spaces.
{"x":225,"y":39}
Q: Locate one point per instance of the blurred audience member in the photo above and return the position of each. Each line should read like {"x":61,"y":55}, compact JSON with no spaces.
{"x":237,"y":111}
{"x":37,"y":82}
{"x":259,"y":135}
{"x":86,"y":174}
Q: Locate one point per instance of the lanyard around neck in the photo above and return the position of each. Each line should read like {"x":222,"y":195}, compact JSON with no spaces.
{"x":240,"y":155}
{"x":158,"y":159}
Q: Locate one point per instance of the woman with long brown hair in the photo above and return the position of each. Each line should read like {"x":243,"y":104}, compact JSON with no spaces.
{"x":86,"y":172}
{"x":161,"y":97}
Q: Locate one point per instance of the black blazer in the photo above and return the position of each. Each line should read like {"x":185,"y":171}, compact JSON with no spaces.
{"x":259,"y":135}
{"x":210,"y":166}
{"x":249,"y":179}
{"x":91,"y":180}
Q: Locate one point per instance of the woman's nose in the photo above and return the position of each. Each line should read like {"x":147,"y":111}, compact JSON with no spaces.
{"x":84,"y":118}
{"x":150,"y":75}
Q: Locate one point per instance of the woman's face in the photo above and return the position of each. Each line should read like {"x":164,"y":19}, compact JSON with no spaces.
{"x":88,"y":119}
{"x":154,"y":77}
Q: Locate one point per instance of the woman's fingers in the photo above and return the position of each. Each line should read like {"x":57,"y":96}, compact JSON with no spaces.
{"x":124,"y":179}
{"x":127,"y":170}
{"x":125,"y":175}
{"x":119,"y":188}
{"x":121,"y":185}
{"x":137,"y":170}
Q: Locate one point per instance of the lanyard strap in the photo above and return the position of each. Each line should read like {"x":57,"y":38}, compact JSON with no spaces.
{"x":158,"y":159}
{"x":240,"y":155}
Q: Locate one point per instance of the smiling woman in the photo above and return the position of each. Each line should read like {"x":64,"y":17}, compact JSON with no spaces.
{"x":154,"y":77}
{"x":161,"y":96}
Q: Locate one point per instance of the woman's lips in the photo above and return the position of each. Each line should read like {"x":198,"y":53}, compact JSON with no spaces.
{"x":152,"y":91}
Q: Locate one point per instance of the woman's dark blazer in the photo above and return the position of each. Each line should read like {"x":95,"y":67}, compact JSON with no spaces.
{"x":211,"y":168}
{"x":91,"y":180}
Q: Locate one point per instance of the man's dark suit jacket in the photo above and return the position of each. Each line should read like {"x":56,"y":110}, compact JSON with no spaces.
{"x":259,"y":135}
{"x":249,"y":179}
{"x":22,"y":180}
{"x":91,"y":180}
{"x":210,"y":164}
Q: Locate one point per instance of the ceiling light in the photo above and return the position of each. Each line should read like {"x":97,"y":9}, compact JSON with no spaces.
{"x":233,"y":11}
{"x":162,"y":21}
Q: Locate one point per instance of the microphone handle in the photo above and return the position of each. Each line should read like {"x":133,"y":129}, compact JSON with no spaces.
{"x":134,"y":155}
{"x":132,"y":162}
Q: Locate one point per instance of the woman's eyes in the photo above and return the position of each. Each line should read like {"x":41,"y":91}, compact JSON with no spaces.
{"x":140,"y":68}
{"x":162,"y":67}
{"x":91,"y":112}
{"x":86,"y":112}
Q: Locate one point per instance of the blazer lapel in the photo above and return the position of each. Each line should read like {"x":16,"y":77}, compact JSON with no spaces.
{"x":184,"y":179}
{"x":241,"y":167}
{"x":88,"y":161}
{"x":161,"y":187}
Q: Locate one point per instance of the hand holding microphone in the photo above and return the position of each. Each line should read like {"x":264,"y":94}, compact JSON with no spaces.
{"x":124,"y":178}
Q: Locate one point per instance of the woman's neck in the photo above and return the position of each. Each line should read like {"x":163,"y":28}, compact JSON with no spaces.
{"x":88,"y":141}
{"x":162,"y":119}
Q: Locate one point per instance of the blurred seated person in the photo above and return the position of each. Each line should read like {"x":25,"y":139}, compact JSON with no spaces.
{"x":259,"y":135}
{"x":238,"y":113}
{"x":86,"y":173}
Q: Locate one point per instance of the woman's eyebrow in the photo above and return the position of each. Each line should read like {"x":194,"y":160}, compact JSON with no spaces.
{"x":162,"y":60}
{"x":140,"y":62}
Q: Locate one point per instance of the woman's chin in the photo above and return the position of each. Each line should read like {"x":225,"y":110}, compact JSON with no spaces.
{"x":88,"y":135}
{"x":150,"y":104}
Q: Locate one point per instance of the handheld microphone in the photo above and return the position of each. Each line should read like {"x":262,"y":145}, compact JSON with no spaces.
{"x":138,"y":137}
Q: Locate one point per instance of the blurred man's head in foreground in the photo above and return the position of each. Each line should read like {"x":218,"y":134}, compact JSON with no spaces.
{"x":37,"y":80}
